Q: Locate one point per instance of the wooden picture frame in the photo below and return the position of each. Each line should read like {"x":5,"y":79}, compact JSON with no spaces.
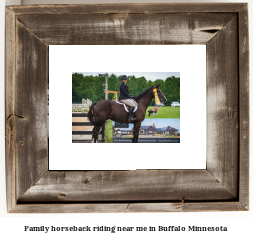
{"x":222,"y":186}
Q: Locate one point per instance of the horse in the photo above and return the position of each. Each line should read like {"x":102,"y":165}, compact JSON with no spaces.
{"x":103,"y":110}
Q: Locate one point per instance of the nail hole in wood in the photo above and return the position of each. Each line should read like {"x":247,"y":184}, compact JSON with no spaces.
{"x":61,"y":195}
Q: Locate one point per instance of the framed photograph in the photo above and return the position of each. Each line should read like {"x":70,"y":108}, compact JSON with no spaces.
{"x":58,"y":58}
{"x":159,"y":125}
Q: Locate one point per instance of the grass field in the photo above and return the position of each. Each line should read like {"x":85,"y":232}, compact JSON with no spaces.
{"x":108,"y":131}
{"x":164,"y":112}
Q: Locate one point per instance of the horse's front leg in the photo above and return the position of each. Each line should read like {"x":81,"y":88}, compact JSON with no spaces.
{"x":136,"y":132}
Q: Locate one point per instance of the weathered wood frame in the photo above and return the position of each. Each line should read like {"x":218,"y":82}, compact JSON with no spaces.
{"x":223,"y":186}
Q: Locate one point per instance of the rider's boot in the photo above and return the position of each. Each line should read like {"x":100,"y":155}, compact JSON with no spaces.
{"x":130,"y":115}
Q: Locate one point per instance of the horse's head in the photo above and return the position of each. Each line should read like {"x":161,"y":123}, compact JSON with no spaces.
{"x":162,"y":98}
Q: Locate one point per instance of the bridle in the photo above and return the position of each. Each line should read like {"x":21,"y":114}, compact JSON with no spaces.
{"x":162,"y":94}
{"x":158,"y":90}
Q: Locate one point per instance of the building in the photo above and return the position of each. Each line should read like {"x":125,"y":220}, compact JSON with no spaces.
{"x":152,"y":130}
{"x":148,"y":130}
{"x":122,"y":132}
{"x":160,"y":131}
{"x":168,"y":130}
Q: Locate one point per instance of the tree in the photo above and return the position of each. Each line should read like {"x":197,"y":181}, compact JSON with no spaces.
{"x":92,"y":87}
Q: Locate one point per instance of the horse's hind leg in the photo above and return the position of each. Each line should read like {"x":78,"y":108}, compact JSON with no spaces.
{"x":95,"y":133}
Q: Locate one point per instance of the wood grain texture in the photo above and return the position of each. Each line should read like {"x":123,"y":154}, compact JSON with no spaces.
{"x":132,"y":29}
{"x":222,"y":107}
{"x":222,"y":187}
{"x":129,"y":207}
{"x":244,"y":106}
{"x":154,"y":8}
{"x":10,"y":65}
{"x":30,"y":108}
{"x":140,"y":185}
{"x":186,"y":207}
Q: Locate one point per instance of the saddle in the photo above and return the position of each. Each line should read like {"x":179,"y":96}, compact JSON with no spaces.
{"x":126,"y":106}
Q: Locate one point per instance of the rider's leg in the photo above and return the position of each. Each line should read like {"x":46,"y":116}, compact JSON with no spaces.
{"x":130,"y":115}
{"x":129,"y":102}
{"x":132,"y":105}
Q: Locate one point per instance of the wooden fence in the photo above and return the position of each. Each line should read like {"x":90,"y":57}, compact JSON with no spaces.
{"x":82,"y":129}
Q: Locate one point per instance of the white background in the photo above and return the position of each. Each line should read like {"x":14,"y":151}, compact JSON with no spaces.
{"x":190,"y":153}
{"x":239,"y":223}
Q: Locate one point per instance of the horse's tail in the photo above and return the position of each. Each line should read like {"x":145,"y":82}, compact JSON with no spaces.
{"x":91,"y":117}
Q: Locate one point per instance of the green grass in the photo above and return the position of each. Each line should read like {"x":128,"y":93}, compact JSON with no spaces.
{"x":164,"y":112}
{"x":108,"y":131}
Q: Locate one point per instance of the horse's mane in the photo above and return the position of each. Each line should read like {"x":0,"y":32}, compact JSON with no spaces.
{"x":143,"y":93}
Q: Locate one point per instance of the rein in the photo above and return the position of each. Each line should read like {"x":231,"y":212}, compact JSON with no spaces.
{"x":157,"y":99}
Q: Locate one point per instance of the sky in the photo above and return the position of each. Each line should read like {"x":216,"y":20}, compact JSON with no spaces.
{"x":159,"y":123}
{"x":148,"y":75}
